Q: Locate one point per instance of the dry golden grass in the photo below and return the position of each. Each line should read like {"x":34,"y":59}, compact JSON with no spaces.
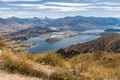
{"x":21,"y":66}
{"x":52,"y":59}
{"x":2,"y":44}
{"x":98,"y":65}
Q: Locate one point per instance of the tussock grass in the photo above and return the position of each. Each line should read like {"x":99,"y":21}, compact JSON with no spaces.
{"x":52,"y":59}
{"x":20,"y":66}
{"x":98,"y":65}
{"x":62,"y":76}
{"x":2,"y":44}
{"x":26,"y":56}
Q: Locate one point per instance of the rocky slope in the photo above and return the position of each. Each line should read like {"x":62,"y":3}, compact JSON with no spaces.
{"x":110,"y":43}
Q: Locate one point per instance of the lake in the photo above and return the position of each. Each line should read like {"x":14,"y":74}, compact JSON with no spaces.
{"x":43,"y":46}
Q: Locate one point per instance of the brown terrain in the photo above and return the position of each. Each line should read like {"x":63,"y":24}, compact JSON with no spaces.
{"x":109,"y":43}
{"x":93,"y":65}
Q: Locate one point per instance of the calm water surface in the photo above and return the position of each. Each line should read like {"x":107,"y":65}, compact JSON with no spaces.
{"x":43,"y":46}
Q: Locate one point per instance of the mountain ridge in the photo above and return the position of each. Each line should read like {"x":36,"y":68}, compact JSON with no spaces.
{"x":109,"y":43}
{"x":67,"y":23}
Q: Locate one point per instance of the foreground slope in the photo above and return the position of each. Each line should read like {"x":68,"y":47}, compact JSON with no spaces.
{"x":110,"y":43}
{"x":98,"y":65}
{"x":8,"y":76}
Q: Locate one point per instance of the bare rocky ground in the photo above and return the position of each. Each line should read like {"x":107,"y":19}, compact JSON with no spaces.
{"x":9,"y":76}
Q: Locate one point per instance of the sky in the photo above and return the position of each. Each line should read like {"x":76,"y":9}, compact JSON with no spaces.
{"x":59,"y":8}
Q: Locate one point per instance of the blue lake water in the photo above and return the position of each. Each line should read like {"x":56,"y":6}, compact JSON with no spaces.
{"x":43,"y":46}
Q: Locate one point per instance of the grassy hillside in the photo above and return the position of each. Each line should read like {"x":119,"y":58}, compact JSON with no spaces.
{"x":98,"y":65}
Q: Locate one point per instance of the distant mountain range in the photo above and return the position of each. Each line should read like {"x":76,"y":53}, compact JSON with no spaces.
{"x":67,"y":23}
{"x":77,"y":20}
{"x":15,"y":24}
{"x":110,"y":43}
{"x":80,"y":23}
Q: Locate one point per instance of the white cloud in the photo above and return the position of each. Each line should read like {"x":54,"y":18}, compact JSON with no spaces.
{"x":67,"y":4}
{"x":16,"y":0}
{"x":55,"y":4}
{"x":111,"y":8}
{"x":94,"y":0}
{"x":67,"y":7}
{"x":108,"y":3}
{"x":25,"y":5}
{"x":5,"y":8}
{"x":74,"y":7}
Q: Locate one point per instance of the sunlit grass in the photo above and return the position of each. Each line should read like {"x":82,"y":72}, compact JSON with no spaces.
{"x":52,"y":59}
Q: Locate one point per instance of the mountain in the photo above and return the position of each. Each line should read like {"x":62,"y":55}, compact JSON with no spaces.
{"x":13,"y":24}
{"x":79,"y":22}
{"x":112,"y":30}
{"x":72,"y":21}
{"x":109,"y":42}
{"x":33,"y":21}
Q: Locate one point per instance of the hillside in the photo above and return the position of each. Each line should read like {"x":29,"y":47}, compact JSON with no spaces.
{"x":9,"y":76}
{"x":99,"y":65}
{"x":109,"y":42}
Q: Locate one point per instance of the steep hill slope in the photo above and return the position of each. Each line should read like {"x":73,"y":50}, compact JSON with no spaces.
{"x":110,"y":43}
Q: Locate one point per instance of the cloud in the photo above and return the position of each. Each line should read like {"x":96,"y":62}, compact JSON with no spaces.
{"x":67,"y":4}
{"x":5,"y":8}
{"x":54,"y":6}
{"x":57,"y":9}
{"x":94,"y":0}
{"x":24,"y":5}
{"x":67,"y":7}
{"x":108,"y":3}
{"x":111,"y":8}
{"x":16,"y":0}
